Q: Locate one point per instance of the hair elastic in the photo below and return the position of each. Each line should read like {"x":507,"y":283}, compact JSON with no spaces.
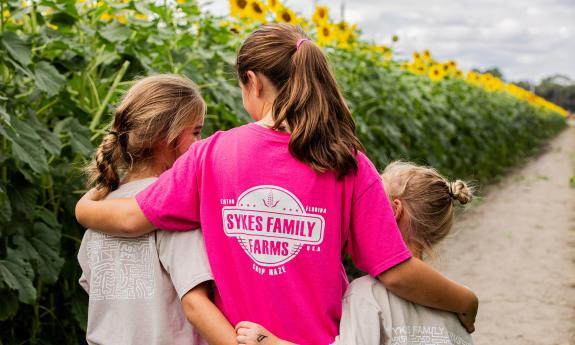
{"x":299,"y":42}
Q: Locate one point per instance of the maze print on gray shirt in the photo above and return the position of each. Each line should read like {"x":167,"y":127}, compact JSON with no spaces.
{"x":121,"y":269}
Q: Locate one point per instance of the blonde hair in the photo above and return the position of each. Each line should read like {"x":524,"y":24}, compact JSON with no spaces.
{"x":427,"y":199}
{"x":155,"y":108}
{"x":309,"y":101}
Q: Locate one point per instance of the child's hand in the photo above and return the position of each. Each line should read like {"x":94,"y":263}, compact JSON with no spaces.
{"x":250,"y":333}
{"x":468,"y":319}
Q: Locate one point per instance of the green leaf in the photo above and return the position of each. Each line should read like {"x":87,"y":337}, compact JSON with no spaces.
{"x":17,"y":47}
{"x":42,"y":244}
{"x":4,"y":116}
{"x":23,"y":197}
{"x":50,"y":141}
{"x":48,"y":79}
{"x":8,"y":305}
{"x":5,"y":207}
{"x":80,"y":138}
{"x":115,"y":33}
{"x":26,"y":146}
{"x":17,"y":274}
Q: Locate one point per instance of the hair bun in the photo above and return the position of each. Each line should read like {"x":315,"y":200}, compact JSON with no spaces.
{"x":459,"y":191}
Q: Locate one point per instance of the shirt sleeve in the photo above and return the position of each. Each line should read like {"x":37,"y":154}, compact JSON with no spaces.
{"x":173,"y":201}
{"x":360,"y":320}
{"x":183,"y":256}
{"x":374,"y":243}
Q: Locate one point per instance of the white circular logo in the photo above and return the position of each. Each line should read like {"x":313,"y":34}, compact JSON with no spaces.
{"x":271,"y":225}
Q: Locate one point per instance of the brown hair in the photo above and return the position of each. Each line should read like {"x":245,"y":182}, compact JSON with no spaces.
{"x":309,"y":101}
{"x":427,"y":199}
{"x":155,"y":108}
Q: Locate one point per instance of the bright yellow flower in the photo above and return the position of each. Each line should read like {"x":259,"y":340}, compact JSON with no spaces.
{"x":426,"y":55}
{"x":285,"y":15}
{"x":24,"y":3}
{"x":416,"y":58}
{"x":122,"y":19}
{"x":52,"y":26}
{"x":6,"y":14}
{"x":436,"y":73}
{"x":100,"y":3}
{"x":239,"y":8}
{"x":181,"y":2}
{"x":325,"y":34}
{"x":256,"y":10}
{"x":141,"y":16}
{"x":418,"y":68}
{"x":458,"y":74}
{"x":320,"y":15}
{"x":274,"y":5}
{"x":106,"y":17}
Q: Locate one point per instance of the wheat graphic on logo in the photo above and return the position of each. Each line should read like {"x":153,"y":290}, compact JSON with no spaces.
{"x":269,"y":200}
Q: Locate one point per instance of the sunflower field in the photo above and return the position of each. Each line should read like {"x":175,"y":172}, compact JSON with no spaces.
{"x":64,"y":63}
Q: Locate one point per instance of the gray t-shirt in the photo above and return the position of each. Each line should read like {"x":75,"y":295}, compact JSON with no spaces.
{"x":135,"y":284}
{"x":374,"y":316}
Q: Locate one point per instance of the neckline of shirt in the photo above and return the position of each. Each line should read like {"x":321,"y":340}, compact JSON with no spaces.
{"x":270,"y":133}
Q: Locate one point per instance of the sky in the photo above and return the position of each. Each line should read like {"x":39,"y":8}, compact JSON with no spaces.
{"x":526,"y":39}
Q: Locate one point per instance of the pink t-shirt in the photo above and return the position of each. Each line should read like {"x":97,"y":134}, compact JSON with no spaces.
{"x":275,"y":230}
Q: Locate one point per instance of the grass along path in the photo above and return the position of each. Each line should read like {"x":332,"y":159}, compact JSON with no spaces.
{"x":516,"y":250}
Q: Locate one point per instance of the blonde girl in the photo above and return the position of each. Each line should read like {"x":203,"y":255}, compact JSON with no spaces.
{"x":423,"y":204}
{"x":280,"y":200}
{"x":135,"y":284}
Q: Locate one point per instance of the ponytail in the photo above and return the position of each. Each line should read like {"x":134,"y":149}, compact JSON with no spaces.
{"x":309,"y":101}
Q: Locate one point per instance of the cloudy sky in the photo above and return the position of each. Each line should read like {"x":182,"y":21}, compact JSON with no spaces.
{"x":527,"y":39}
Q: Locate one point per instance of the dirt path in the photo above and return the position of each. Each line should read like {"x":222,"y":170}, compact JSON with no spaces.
{"x":516,"y":250}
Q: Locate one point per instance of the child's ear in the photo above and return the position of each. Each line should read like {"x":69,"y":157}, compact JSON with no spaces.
{"x":397,"y":209}
{"x":256,"y":82}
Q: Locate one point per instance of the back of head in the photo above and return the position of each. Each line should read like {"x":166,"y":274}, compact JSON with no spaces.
{"x":428,"y":201}
{"x":309,"y":101}
{"x":156,"y":108}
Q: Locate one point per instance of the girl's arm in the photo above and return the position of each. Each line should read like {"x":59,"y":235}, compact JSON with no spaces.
{"x":207,"y":318}
{"x":121,"y":217}
{"x":419,"y":283}
{"x":250,"y":333}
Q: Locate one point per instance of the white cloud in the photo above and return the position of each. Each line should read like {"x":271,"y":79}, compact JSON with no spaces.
{"x":527,"y":39}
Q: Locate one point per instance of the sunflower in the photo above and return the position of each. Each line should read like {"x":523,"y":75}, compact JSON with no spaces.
{"x":458,"y":74}
{"x":239,"y":8}
{"x":426,"y":55}
{"x":325,"y":34}
{"x":418,"y":68}
{"x":256,"y":10}
{"x":436,"y":73}
{"x":274,"y":5}
{"x":417,"y":58}
{"x":320,"y":15}
{"x":472,"y":78}
{"x":285,"y":15}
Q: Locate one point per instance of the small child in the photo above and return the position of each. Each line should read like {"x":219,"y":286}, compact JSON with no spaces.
{"x":135,"y":284}
{"x":422,"y":201}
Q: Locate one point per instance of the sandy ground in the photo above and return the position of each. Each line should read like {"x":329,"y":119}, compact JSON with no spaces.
{"x":516,"y":250}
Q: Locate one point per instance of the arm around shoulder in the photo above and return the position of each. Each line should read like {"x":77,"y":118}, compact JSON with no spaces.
{"x":419,"y":283}
{"x":119,"y":217}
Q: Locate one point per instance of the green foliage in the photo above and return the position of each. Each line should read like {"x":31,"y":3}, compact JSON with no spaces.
{"x":57,"y":90}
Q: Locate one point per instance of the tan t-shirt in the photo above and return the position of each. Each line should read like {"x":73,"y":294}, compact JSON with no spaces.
{"x":374,"y":316}
{"x":135,"y":284}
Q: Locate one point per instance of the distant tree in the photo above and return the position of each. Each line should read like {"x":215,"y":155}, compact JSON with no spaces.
{"x":558,"y":89}
{"x":495,"y":71}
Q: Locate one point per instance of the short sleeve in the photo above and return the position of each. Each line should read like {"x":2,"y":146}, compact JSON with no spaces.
{"x":173,"y":201}
{"x":183,"y":256}
{"x":374,"y":243}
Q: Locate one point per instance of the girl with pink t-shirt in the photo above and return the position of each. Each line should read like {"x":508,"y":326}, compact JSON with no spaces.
{"x":280,"y":201}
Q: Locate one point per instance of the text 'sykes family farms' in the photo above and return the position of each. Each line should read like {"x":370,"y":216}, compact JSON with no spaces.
{"x":272,"y":226}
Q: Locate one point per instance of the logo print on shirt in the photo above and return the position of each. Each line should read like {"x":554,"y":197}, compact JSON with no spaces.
{"x":271,"y":225}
